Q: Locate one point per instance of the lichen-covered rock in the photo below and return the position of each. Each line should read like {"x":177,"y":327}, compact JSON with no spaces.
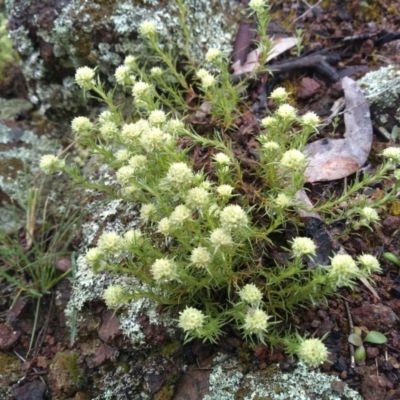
{"x":382,"y":89}
{"x":54,"y":37}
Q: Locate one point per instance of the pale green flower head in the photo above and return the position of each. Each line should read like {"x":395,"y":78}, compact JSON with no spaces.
{"x":122,"y":155}
{"x":108,"y":130}
{"x":286,"y":112}
{"x":200,"y":257}
{"x":154,"y":139}
{"x":213,"y":55}
{"x":179,"y":174}
{"x":369,"y":263}
{"x":257,"y":5}
{"x":156,"y":72}
{"x":163,"y":270}
{"x":283,"y":201}
{"x":233,"y":218}
{"x":201,"y":73}
{"x":94,"y":256}
{"x":130,"y":190}
{"x":220,"y":237}
{"x":222,"y":159}
{"x":50,"y":164}
{"x":251,"y":294}
{"x":279,"y":95}
{"x":270,"y":146}
{"x":174,"y":125}
{"x":81,"y":126}
{"x":165,"y":226}
{"x":133,"y":237}
{"x":110,"y":243}
{"x":312,"y":352}
{"x":256,"y":321}
{"x":197,"y":198}
{"x":138,"y":162}
{"x":84,"y":77}
{"x":207,"y":81}
{"x":310,"y":119}
{"x":141,"y":89}
{"x":148,"y":212}
{"x":122,"y":74}
{"x":130,"y":62}
{"x":148,"y":28}
{"x":132,"y":131}
{"x":125,"y":175}
{"x":293,"y":159}
{"x":191,"y":319}
{"x":180,"y":214}
{"x":302,"y":246}
{"x":114,"y":296}
{"x":268,"y":122}
{"x":396,"y":174}
{"x":369,"y":215}
{"x":225,"y":190}
{"x":343,"y":270}
{"x":106,"y":116}
{"x":392,"y":154}
{"x":157,"y":117}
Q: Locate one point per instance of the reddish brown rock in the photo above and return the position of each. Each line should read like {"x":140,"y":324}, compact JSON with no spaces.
{"x":374,"y":387}
{"x":375,"y":317}
{"x":109,"y":328}
{"x":8,"y":337}
{"x":308,"y":88}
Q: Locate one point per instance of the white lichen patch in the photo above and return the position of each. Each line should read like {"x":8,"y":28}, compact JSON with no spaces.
{"x":88,"y":285}
{"x":228,"y":378}
{"x":382,"y":88}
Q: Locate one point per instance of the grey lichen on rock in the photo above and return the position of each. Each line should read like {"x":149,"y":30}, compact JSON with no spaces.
{"x":382,"y":88}
{"x":229,"y":380}
{"x":20,"y":151}
{"x":55,"y":38}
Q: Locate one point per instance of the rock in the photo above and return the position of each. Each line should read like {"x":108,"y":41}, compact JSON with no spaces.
{"x":393,"y":395}
{"x":372,"y":352}
{"x":390,"y":224}
{"x":103,"y":354}
{"x":375,"y":317}
{"x":382,"y":89}
{"x":35,"y":390}
{"x":109,"y":328}
{"x":308,"y":88}
{"x":8,"y":337}
{"x":374,"y":387}
{"x":65,"y":374}
{"x":54,"y":38}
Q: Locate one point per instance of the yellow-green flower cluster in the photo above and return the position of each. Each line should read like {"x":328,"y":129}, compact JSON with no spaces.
{"x":312,"y":352}
{"x":50,"y":164}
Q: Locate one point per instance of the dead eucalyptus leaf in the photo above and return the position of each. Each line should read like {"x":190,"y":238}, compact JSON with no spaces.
{"x":332,"y":159}
{"x":280,"y":45}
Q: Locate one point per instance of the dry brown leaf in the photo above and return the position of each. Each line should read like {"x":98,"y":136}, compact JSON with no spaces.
{"x":280,"y":45}
{"x":332,"y":159}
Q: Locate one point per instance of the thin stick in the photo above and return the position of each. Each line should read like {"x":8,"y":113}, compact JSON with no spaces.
{"x":351,"y":326}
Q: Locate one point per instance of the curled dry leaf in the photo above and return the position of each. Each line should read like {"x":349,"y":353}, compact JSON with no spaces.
{"x":280,"y":45}
{"x":336,"y":158}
